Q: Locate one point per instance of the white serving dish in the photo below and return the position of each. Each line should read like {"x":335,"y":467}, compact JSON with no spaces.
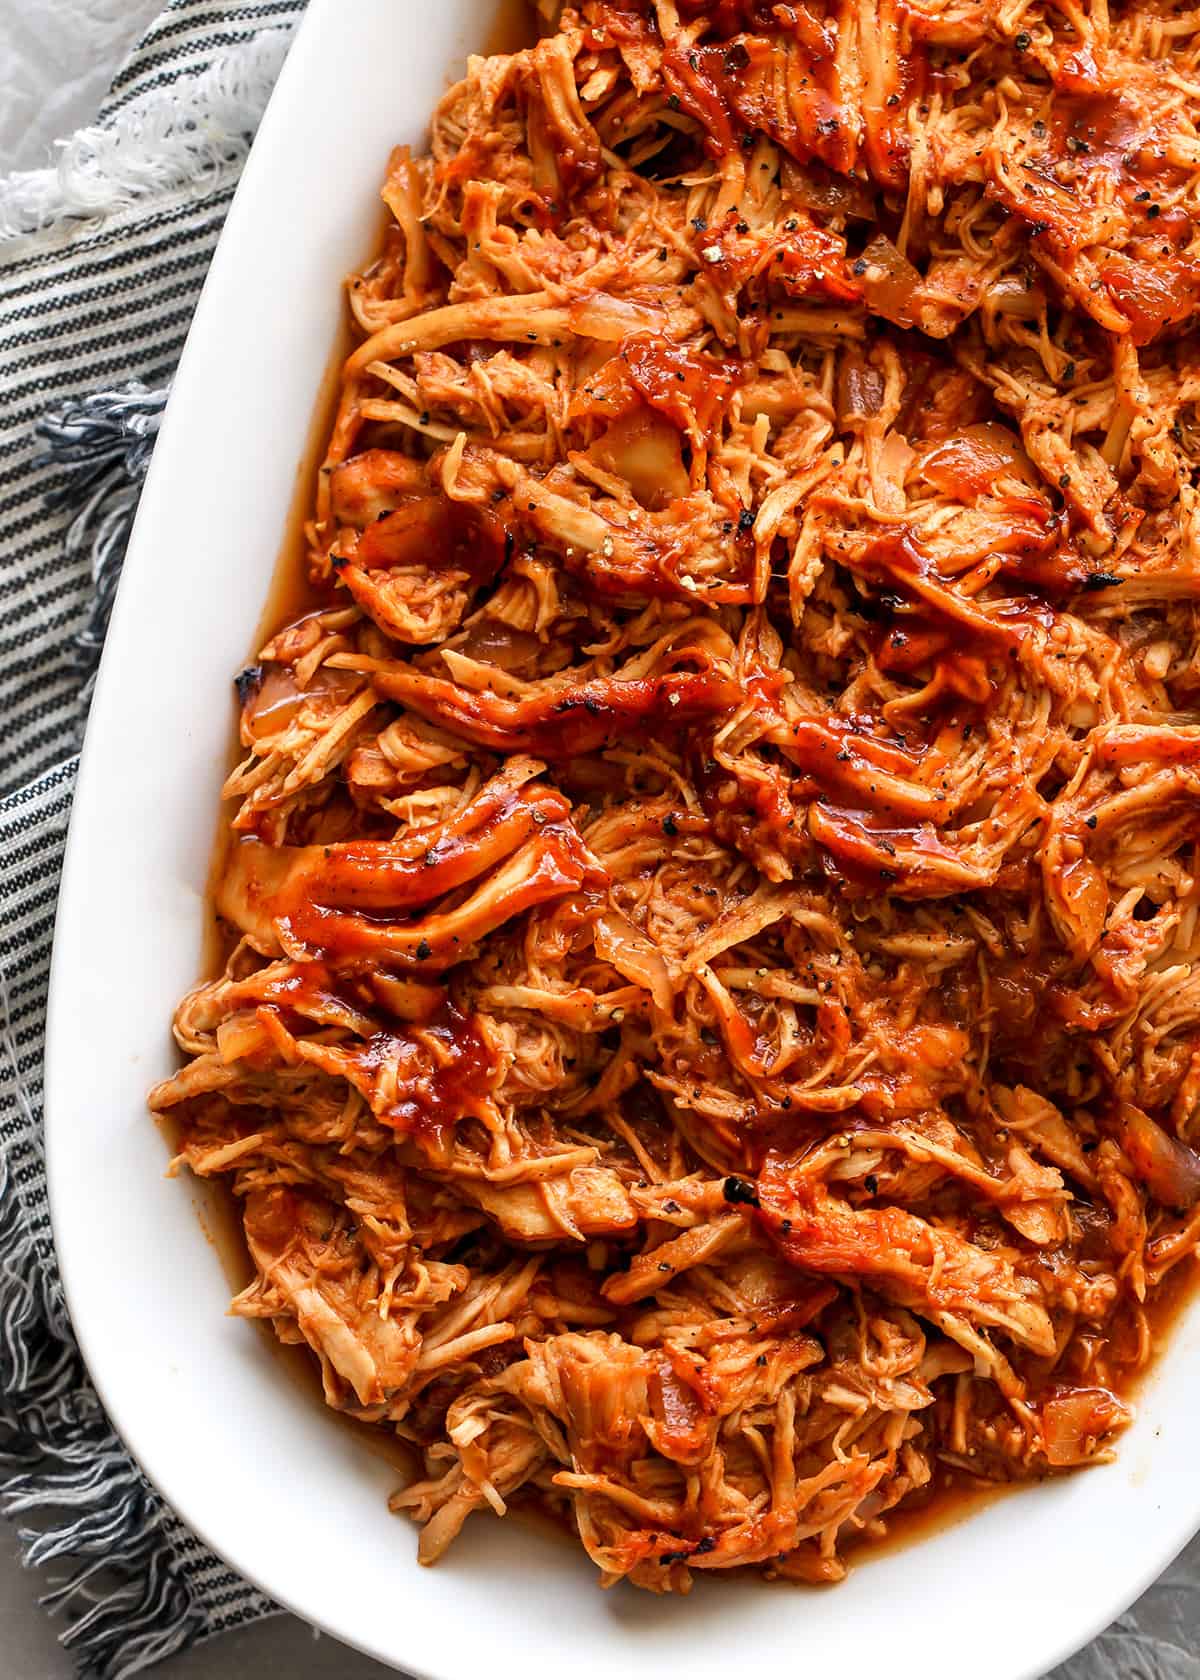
{"x":245,"y":1455}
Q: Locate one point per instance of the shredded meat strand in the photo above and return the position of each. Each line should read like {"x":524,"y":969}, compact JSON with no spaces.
{"x":710,"y":1041}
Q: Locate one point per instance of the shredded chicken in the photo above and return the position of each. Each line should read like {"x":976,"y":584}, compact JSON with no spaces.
{"x":710,"y":1044}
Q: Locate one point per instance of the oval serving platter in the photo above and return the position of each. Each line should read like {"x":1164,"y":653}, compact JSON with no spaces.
{"x":245,"y":1455}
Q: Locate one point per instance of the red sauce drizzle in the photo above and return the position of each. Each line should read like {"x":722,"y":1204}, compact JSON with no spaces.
{"x":446,"y":1074}
{"x":686,"y":386}
{"x":433,"y":530}
{"x":730,"y":91}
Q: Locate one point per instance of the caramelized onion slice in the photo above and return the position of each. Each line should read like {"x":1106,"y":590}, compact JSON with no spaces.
{"x":1074,"y":1424}
{"x":633,"y":956}
{"x":1012,"y":295}
{"x":1168,"y":1167}
{"x":492,"y":642}
{"x":860,"y":389}
{"x":969,"y":464}
{"x":890,"y":282}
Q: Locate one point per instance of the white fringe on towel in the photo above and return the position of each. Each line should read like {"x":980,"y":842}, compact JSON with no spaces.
{"x":175,"y":137}
{"x":103,"y":444}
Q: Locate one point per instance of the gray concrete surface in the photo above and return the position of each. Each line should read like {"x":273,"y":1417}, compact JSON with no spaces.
{"x":283,"y":1646}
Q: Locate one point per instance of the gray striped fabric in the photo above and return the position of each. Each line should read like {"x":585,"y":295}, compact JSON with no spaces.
{"x":88,"y":306}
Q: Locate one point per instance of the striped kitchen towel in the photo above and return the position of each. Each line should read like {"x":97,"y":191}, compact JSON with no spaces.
{"x":101,"y":261}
